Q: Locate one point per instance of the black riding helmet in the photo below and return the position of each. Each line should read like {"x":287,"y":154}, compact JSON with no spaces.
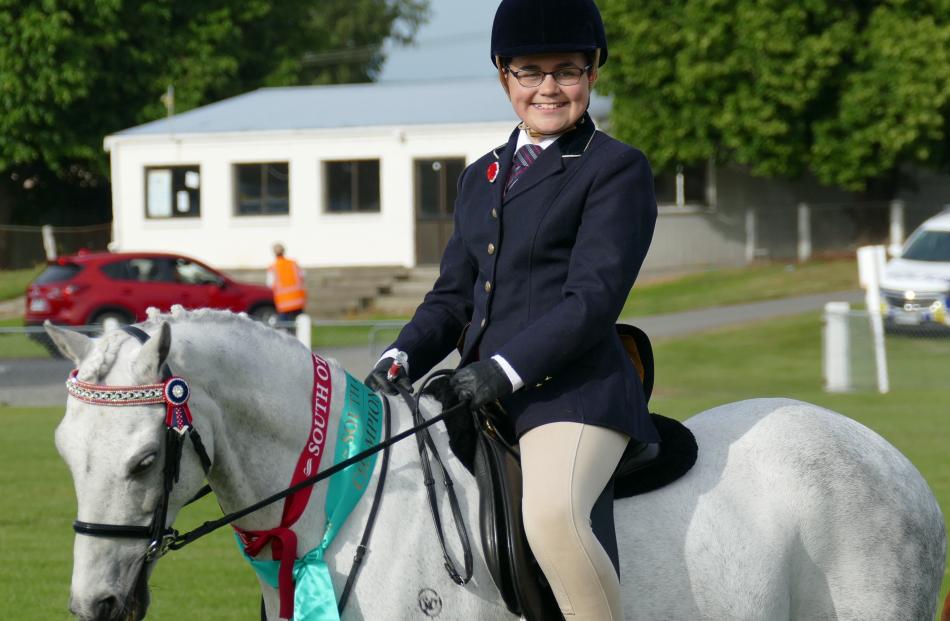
{"x":524,"y":27}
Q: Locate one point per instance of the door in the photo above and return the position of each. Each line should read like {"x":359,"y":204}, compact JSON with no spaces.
{"x":436,"y":185}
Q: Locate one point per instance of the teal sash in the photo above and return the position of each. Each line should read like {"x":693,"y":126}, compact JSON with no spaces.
{"x":359,"y":429}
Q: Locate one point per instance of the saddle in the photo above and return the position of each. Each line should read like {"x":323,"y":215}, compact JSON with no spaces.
{"x":497,"y":469}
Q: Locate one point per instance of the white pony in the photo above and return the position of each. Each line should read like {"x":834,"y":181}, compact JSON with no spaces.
{"x":791,"y":511}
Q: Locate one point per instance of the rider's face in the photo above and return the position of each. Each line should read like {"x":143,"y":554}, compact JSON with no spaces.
{"x":550,"y":108}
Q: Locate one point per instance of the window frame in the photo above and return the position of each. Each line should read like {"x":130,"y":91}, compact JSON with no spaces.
{"x":446,"y":207}
{"x":354,"y":186}
{"x":194,"y":193}
{"x":264,"y":196}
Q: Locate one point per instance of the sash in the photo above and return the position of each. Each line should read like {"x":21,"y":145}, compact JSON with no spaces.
{"x":360,"y":428}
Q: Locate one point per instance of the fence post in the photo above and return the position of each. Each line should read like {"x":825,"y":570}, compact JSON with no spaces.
{"x":837,"y":347}
{"x":302,"y":324}
{"x":49,"y":242}
{"x":750,"y":241}
{"x":870,"y":265}
{"x":804,"y":233}
{"x":897,"y":227}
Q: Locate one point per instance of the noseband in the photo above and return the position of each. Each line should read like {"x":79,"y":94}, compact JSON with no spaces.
{"x":173,"y":393}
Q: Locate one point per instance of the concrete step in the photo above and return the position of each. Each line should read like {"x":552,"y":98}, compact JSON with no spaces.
{"x":406,"y":292}
{"x":422,"y":274}
{"x":410,"y":288}
{"x":395,"y":305}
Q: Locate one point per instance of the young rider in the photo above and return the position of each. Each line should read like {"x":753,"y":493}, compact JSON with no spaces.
{"x":550,"y":232}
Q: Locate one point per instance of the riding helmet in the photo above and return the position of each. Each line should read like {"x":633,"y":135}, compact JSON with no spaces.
{"x":525,"y":27}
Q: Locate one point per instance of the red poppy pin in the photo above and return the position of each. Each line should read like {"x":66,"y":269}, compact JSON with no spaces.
{"x":492,"y":172}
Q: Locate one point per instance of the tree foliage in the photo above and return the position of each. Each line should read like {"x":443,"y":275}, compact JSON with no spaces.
{"x":73,"y":71}
{"x":850,"y":90}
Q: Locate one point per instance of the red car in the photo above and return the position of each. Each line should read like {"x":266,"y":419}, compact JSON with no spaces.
{"x":88,"y":288}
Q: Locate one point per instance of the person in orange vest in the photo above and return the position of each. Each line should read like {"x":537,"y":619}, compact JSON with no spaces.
{"x":285,"y":278}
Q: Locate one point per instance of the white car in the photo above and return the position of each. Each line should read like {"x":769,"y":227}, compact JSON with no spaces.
{"x":916,"y":285}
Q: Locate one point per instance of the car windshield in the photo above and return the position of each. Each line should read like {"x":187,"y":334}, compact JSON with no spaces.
{"x":929,"y":246}
{"x":57,"y":272}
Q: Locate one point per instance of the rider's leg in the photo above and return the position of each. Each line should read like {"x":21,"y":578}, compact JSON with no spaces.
{"x":565,"y":468}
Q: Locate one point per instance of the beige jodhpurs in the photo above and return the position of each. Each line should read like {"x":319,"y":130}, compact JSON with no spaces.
{"x":565,"y":467}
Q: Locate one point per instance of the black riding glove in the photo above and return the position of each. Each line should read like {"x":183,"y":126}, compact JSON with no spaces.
{"x":380,"y":378}
{"x":481,"y":382}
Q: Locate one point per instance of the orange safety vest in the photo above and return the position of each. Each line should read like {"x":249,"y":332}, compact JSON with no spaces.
{"x":289,"y":294}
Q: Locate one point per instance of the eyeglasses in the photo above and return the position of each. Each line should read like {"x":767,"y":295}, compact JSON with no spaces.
{"x":565,"y":76}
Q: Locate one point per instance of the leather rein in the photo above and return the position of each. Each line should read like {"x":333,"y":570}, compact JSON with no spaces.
{"x":174,"y":392}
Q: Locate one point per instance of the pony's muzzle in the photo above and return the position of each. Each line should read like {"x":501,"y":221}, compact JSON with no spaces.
{"x":101,"y":607}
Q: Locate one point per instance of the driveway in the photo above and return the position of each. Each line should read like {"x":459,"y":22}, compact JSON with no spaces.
{"x":40,"y":381}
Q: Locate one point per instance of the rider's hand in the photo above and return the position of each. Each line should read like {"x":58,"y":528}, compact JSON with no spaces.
{"x":481,"y":382}
{"x":380,"y":378}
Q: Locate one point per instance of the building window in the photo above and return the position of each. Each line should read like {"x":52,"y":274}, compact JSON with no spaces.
{"x":172,"y":192}
{"x":692,"y":186}
{"x":352,"y":186}
{"x":262,"y":189}
{"x":437,"y":186}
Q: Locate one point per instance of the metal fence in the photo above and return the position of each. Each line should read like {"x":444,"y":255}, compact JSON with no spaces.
{"x":359,"y":341}
{"x":26,"y":246}
{"x":916,"y":357}
{"x":695,"y":236}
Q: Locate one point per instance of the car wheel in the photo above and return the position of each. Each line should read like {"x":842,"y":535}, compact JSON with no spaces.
{"x":119,"y":316}
{"x":264,"y":313}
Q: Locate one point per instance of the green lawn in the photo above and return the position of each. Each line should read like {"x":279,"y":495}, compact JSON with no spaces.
{"x":18,"y":345}
{"x":13,"y":282}
{"x":720,"y":287}
{"x":208,"y":579}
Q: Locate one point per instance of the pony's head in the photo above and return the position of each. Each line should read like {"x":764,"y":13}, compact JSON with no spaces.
{"x":116,"y":455}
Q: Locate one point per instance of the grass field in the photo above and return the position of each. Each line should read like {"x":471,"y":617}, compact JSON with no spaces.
{"x":13,"y":282}
{"x":209,"y":581}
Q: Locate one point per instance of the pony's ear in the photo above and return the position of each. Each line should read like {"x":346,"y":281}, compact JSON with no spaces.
{"x":147,"y":365}
{"x":74,"y":345}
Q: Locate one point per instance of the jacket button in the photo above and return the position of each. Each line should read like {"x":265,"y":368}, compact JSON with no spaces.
{"x":483,"y":323}
{"x":494,"y":213}
{"x":491,"y":249}
{"x":487,"y":286}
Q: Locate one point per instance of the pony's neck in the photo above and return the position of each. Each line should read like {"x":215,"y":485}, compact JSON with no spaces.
{"x":252,"y":391}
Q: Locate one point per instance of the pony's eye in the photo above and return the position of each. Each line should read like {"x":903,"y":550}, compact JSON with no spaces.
{"x":145,"y":464}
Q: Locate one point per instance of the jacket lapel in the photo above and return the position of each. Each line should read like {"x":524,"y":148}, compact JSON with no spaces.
{"x":503,"y":155}
{"x":551,"y":161}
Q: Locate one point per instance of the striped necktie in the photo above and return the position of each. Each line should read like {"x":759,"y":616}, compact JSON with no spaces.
{"x":524,"y":157}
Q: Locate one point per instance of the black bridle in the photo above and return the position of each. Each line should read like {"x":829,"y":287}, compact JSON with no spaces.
{"x":162,"y":539}
{"x":160,"y":536}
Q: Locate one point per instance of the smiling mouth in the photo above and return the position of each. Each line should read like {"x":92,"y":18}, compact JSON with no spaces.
{"x":548,"y":106}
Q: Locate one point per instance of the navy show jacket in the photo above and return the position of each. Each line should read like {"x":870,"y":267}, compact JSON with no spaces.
{"x":541,"y":276}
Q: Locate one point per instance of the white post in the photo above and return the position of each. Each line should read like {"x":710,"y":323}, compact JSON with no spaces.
{"x":837,"y":347}
{"x":804,"y":233}
{"x":897,"y":227}
{"x":49,"y":242}
{"x":680,"y":189}
{"x":870,"y":262}
{"x":303,"y":329}
{"x":750,"y":241}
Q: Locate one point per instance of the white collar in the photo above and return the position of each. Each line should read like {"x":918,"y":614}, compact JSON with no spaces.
{"x":524,"y":139}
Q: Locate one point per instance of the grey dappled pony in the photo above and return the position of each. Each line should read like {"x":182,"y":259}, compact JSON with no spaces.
{"x":791,"y":511}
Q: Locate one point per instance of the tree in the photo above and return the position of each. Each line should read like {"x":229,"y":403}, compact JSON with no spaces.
{"x":73,"y":71}
{"x":850,"y":90}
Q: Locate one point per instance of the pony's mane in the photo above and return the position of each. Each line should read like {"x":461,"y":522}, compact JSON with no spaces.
{"x":103,"y":356}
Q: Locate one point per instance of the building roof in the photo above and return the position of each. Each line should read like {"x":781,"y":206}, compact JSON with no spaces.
{"x":430,"y":102}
